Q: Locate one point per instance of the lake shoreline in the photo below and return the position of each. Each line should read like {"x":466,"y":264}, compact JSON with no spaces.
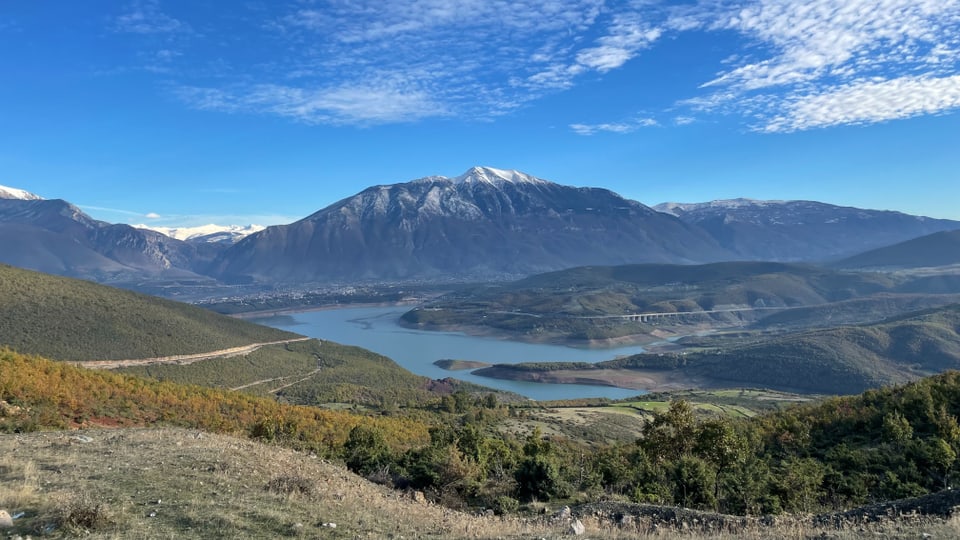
{"x":375,"y":328}
{"x":650,"y":342}
{"x":641,"y":380}
{"x":267,"y":313}
{"x":658,"y":342}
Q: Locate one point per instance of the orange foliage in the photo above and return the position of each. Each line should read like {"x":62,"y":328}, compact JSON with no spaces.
{"x":58,"y":395}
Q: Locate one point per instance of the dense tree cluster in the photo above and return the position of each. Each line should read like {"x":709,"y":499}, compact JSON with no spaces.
{"x":885,"y":444}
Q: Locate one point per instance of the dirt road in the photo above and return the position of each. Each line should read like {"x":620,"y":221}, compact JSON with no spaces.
{"x":184,"y":358}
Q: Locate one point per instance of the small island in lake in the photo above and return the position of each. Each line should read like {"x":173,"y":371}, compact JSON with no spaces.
{"x":460,"y":365}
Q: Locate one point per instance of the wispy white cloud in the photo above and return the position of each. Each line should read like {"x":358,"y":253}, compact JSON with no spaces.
{"x":628,"y":35}
{"x":111,"y":210}
{"x":146,"y":17}
{"x":368,"y":62}
{"x":383,"y":102}
{"x":118,"y":215}
{"x":815,"y":59}
{"x":867,"y":102}
{"x":616,"y":127}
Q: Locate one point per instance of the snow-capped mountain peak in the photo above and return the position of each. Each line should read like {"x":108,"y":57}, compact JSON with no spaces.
{"x":14,"y":193}
{"x":206,"y":233}
{"x":496,"y":176}
{"x":675,"y":208}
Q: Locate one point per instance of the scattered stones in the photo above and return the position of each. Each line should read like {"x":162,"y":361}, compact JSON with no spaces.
{"x":81,"y":438}
{"x":7,"y":409}
{"x":577,"y":528}
{"x":6,"y":522}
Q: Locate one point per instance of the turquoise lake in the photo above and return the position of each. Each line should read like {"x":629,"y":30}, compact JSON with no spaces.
{"x":376,"y":329}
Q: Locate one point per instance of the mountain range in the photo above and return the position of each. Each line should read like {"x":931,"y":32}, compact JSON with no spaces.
{"x":219,"y":234}
{"x":56,"y":237}
{"x":484,"y":224}
{"x":792,"y":231}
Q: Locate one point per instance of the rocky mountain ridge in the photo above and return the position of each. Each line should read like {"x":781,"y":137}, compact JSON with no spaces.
{"x":56,"y":237}
{"x":485,"y":224}
{"x":793,"y":231}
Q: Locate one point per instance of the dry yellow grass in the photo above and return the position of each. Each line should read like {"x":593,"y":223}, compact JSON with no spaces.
{"x":173,"y":483}
{"x":170,"y":483}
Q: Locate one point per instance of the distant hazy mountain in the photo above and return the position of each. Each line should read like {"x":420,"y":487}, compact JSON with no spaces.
{"x":55,"y":236}
{"x":937,"y":249}
{"x":485,"y":223}
{"x":801,"y":230}
{"x":219,"y":234}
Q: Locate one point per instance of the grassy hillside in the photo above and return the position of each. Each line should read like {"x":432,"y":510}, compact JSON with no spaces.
{"x":938,"y":249}
{"x":69,"y":319}
{"x":170,"y":483}
{"x":215,"y":486}
{"x":842,"y":360}
{"x":572,"y":304}
{"x":54,"y":395}
{"x":306,"y":373}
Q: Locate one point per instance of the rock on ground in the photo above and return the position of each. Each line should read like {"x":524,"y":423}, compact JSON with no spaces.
{"x":6,"y":522}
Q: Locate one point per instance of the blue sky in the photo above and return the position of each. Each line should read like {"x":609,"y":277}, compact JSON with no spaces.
{"x":188,"y":112}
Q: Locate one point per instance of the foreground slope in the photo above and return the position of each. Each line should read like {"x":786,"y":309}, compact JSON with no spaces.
{"x":215,"y":486}
{"x":69,"y":319}
{"x":164,"y":483}
{"x":887,"y":444}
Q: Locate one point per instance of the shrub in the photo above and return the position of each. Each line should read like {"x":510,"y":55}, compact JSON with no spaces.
{"x":289,"y":484}
{"x":84,"y":514}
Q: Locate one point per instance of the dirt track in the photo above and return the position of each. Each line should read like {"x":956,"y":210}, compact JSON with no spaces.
{"x":184,"y":358}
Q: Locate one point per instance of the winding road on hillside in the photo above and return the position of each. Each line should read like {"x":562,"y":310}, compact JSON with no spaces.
{"x":185,"y":358}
